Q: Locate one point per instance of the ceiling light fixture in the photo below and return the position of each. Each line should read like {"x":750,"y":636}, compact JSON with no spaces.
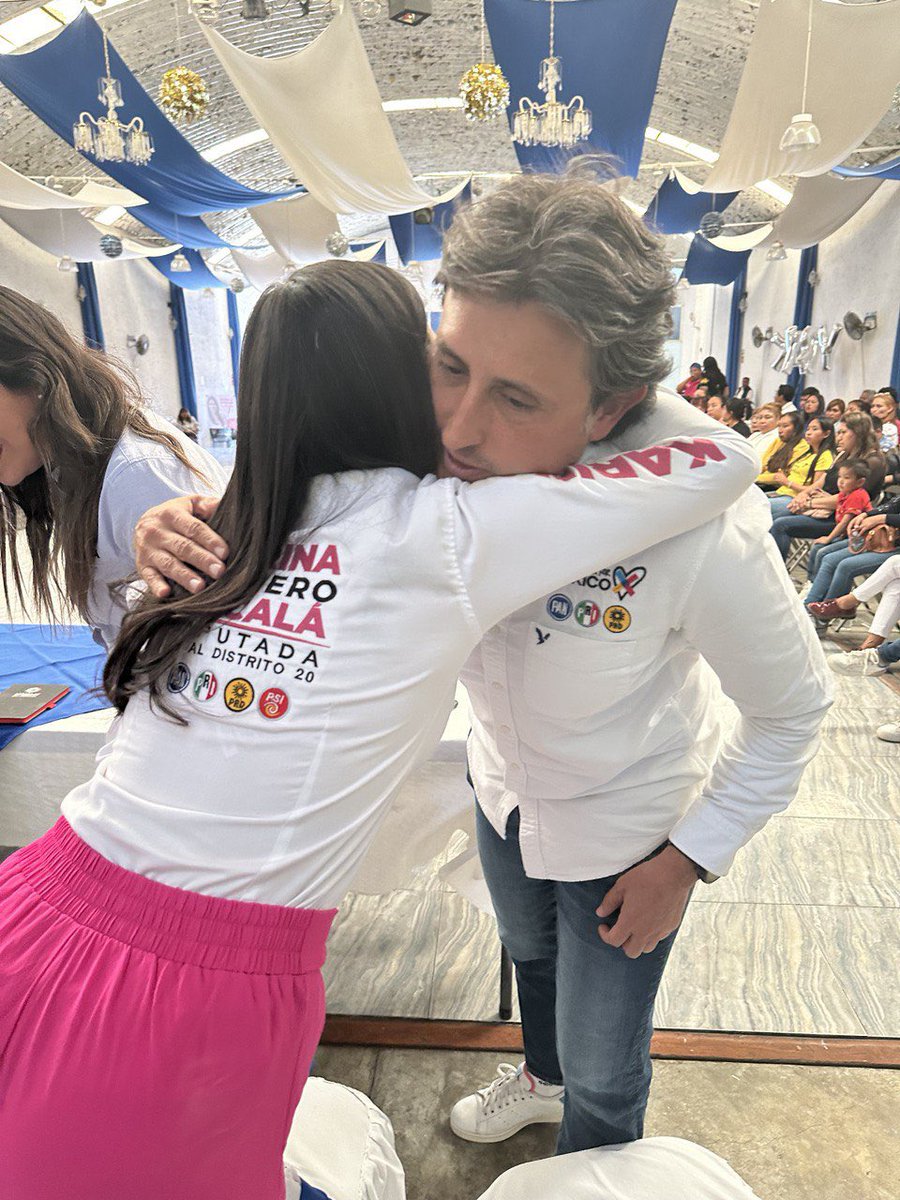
{"x":410,"y":13}
{"x":552,"y":123}
{"x":107,"y":139}
{"x":803,"y":133}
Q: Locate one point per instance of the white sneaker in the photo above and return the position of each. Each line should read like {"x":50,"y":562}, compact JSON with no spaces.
{"x":806,"y":589}
{"x":510,"y":1102}
{"x":888,"y":733}
{"x":858,"y":662}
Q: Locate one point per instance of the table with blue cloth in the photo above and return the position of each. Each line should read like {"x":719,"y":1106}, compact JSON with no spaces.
{"x":42,"y":760}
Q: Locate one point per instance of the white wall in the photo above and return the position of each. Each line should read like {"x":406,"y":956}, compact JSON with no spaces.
{"x":134,"y":299}
{"x":859,"y":269}
{"x":30,"y":271}
{"x":771,"y":292}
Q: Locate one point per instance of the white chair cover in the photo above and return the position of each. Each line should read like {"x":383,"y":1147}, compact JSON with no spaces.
{"x":661,"y":1168}
{"x":343,"y":1144}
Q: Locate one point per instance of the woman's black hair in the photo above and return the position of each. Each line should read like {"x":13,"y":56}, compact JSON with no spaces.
{"x":334,"y":377}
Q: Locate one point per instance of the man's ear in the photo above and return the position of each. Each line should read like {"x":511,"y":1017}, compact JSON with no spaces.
{"x":602,"y":422}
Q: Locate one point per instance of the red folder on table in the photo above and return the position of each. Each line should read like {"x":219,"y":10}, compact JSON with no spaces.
{"x":22,"y":702}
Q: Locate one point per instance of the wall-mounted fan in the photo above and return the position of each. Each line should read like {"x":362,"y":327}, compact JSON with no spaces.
{"x":856,"y":326}
{"x":140,"y":344}
{"x":758,"y":336}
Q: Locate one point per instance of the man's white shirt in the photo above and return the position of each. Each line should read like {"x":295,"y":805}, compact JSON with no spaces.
{"x":596,"y":709}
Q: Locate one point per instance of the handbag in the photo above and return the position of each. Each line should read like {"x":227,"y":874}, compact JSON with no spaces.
{"x":881,"y":540}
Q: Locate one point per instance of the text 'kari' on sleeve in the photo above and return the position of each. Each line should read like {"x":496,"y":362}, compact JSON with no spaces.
{"x":518,"y":537}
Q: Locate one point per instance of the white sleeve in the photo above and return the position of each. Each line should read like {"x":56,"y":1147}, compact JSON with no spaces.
{"x":515,"y":538}
{"x":744,"y":616}
{"x":135,"y":485}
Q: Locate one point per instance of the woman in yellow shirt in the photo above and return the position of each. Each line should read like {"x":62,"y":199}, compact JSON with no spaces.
{"x":782,"y":455}
{"x":806,"y":469}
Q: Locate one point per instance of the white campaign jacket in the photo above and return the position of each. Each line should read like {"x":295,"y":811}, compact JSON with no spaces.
{"x":597,"y":712}
{"x":312,"y":703}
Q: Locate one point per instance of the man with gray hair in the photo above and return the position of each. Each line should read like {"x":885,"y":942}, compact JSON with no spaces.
{"x":600,"y":796}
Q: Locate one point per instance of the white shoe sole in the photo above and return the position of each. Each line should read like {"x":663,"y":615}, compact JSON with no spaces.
{"x":485,"y":1138}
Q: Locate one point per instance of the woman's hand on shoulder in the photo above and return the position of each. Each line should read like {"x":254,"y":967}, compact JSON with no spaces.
{"x":172,"y":542}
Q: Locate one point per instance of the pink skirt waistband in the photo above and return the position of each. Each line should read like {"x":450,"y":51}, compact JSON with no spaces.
{"x":186,"y":927}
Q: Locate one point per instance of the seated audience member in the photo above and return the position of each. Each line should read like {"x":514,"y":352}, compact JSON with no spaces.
{"x":188,"y":425}
{"x":764,"y":426}
{"x":880,"y":530}
{"x":728,"y":412}
{"x":780,"y":462}
{"x":835,"y":409}
{"x":745,"y":393}
{"x":853,"y":499}
{"x":815,"y":464}
{"x":860,"y":405}
{"x":867,"y":395}
{"x":688,"y":386}
{"x":884,"y":408}
{"x":785,"y":397}
{"x":718,"y":384}
{"x":867,"y":660}
{"x":812,"y":404}
{"x":811,"y":512}
{"x":700,"y":398}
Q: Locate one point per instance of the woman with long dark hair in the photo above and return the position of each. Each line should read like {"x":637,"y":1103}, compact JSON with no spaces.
{"x":781,"y":460}
{"x":161,"y":996}
{"x":80,"y":459}
{"x":712,"y":373}
{"x":812,"y":405}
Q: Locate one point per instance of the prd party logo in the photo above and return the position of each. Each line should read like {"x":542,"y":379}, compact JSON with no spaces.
{"x":617,"y":619}
{"x":273,"y":703}
{"x":238,"y":695}
{"x":205,"y":686}
{"x":587,"y":613}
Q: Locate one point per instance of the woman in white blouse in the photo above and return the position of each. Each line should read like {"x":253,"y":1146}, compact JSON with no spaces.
{"x":166,"y":937}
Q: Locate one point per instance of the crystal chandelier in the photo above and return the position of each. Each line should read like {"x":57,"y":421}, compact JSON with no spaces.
{"x":107,"y":138}
{"x":802,"y":133}
{"x":551,"y":123}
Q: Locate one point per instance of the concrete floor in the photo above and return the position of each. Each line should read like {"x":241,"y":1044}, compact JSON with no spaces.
{"x":793,"y":1133}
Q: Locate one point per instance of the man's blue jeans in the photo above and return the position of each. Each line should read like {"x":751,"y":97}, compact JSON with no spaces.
{"x":838,"y":568}
{"x":889,"y":652}
{"x":587,"y":1008}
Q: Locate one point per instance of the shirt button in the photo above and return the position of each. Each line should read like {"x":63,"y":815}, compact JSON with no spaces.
{"x":498,"y":687}
{"x":504,"y":729}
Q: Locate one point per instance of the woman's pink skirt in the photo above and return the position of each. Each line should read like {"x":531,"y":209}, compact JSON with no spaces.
{"x":154,"y":1042}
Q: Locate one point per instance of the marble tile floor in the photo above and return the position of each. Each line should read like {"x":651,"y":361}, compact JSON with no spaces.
{"x":794,"y":1133}
{"x":802,"y":936}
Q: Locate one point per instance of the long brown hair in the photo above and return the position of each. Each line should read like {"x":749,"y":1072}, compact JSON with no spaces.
{"x":334,"y":377}
{"x":83,"y":406}
{"x":860,"y":425}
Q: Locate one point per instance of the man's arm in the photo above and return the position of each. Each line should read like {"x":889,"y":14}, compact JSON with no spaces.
{"x":743,"y":615}
{"x":747,"y":621}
